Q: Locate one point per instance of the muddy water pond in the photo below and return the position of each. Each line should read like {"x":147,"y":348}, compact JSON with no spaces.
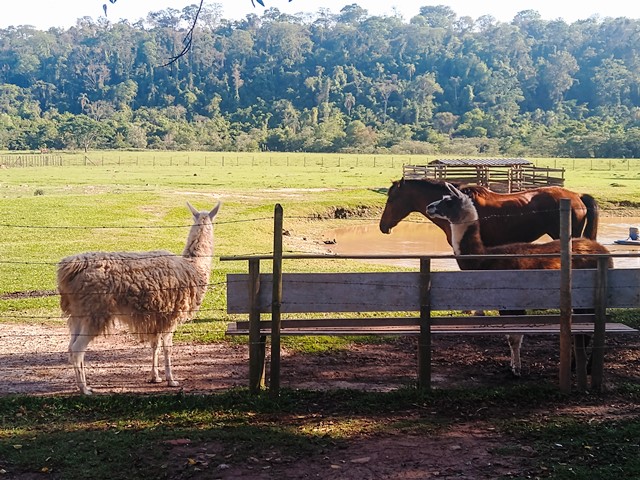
{"x":424,"y":238}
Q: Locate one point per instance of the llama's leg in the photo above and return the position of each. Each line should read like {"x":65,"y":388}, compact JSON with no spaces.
{"x":167,"y":345}
{"x":77,"y":348}
{"x":155,"y":349}
{"x":515,"y":343}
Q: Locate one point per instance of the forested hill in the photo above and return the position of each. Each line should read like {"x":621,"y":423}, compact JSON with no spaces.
{"x":349,"y":82}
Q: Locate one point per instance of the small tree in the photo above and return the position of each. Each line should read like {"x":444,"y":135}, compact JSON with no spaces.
{"x":80,"y":131}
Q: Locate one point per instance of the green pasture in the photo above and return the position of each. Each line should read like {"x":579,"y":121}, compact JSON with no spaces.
{"x":137,"y":201}
{"x":53,"y":211}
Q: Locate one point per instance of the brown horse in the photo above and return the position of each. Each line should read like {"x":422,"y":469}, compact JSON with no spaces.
{"x":458,"y":210}
{"x":504,"y":217}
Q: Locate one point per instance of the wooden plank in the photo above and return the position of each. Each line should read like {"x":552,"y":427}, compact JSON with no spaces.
{"x":623,"y":289}
{"x":530,"y":329}
{"x":380,"y":322}
{"x":332,"y":292}
{"x":455,"y":290}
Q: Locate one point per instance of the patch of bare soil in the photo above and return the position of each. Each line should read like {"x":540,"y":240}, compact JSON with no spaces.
{"x":34,"y":362}
{"x":466,"y":451}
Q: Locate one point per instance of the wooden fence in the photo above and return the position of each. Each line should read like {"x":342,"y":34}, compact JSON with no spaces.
{"x":426,"y":292}
{"x":33,"y":160}
{"x":504,"y":179}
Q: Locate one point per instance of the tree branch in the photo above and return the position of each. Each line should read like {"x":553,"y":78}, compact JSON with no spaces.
{"x":188,"y":38}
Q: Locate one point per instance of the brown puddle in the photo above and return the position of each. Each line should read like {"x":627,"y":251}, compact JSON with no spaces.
{"x":424,"y":238}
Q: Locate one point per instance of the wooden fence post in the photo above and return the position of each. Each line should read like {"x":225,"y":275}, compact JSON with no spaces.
{"x":276,"y":301}
{"x":257,"y":342}
{"x":565,"y":295}
{"x":424,"y":340}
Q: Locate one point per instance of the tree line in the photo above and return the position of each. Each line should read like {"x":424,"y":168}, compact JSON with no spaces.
{"x":437,"y":83}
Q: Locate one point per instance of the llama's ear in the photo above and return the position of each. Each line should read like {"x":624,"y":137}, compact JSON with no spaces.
{"x":454,"y":191}
{"x":214,"y":212}
{"x":451,"y":188}
{"x":194,"y":212}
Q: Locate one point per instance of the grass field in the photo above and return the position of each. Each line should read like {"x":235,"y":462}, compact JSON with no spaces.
{"x":50,"y":212}
{"x":136,"y":201}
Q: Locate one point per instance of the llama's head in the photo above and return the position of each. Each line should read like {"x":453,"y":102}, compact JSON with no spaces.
{"x":455,"y":207}
{"x":200,"y":240}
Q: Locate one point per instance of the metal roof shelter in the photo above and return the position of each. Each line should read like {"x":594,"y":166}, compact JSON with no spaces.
{"x":498,"y":174}
{"x":473,"y":162}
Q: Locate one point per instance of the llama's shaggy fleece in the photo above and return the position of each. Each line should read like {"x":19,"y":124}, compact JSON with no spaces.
{"x":149,"y":292}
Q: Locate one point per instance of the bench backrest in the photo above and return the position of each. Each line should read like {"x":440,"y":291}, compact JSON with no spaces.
{"x":454,"y":290}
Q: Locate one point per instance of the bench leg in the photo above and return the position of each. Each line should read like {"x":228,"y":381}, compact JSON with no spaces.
{"x":597,"y":363}
{"x":424,"y":362}
{"x":262,"y":352}
{"x":256,"y":364}
{"x":580,"y":351}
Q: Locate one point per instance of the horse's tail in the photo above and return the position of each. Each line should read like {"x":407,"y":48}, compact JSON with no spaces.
{"x":593,"y":212}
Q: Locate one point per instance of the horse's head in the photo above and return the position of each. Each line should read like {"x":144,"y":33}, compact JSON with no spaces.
{"x":407,"y":196}
{"x":396,"y":208}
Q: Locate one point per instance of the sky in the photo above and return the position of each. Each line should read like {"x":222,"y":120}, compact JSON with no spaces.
{"x":63,"y":13}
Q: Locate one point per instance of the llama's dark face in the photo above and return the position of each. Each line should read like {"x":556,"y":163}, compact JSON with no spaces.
{"x":449,"y":208}
{"x":456,"y":207}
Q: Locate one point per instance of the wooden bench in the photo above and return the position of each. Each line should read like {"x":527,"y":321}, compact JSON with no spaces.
{"x":359,"y":304}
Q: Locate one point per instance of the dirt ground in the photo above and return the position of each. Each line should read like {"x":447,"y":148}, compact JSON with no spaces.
{"x":34,"y":361}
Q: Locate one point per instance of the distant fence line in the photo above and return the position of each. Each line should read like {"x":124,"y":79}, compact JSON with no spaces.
{"x":202,"y":159}
{"x":33,"y":160}
{"x":220,"y":160}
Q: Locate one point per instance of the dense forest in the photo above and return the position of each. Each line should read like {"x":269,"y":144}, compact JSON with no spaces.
{"x":344,"y":82}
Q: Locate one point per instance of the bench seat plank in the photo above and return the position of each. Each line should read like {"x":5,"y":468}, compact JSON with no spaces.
{"x":330,"y":328}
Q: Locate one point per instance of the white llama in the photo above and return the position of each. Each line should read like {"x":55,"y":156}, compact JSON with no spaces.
{"x":459,"y":210}
{"x":149,"y":292}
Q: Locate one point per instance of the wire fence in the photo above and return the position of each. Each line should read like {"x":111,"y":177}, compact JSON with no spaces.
{"x":219,"y":223}
{"x":201,"y":159}
{"x":266,"y":159}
